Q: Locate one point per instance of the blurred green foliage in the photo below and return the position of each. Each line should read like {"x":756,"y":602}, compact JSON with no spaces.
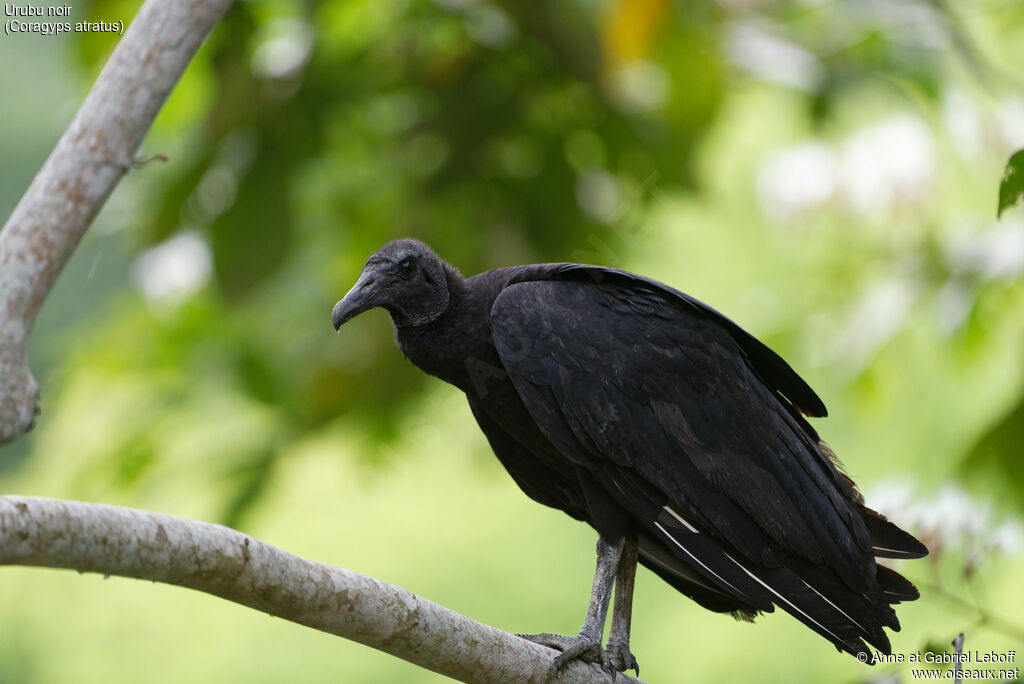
{"x":821,"y":171}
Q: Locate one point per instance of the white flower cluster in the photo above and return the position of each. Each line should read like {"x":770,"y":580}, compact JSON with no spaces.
{"x":950,"y":519}
{"x":874,"y":171}
{"x":888,"y":165}
{"x":174,"y":270}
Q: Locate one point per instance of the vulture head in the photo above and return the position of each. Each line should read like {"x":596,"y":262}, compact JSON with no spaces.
{"x":404,"y":277}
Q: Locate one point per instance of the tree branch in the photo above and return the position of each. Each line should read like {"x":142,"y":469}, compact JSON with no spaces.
{"x":226,"y":563}
{"x":74,"y":182}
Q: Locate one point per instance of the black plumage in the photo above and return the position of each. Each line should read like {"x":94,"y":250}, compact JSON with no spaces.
{"x":661,"y":423}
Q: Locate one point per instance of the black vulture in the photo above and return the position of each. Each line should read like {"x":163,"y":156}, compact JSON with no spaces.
{"x":663,"y":425}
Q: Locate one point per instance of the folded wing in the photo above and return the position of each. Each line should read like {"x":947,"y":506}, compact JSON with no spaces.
{"x":692,"y":426}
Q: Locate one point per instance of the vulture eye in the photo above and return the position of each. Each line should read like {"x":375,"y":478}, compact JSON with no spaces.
{"x":406,"y":267}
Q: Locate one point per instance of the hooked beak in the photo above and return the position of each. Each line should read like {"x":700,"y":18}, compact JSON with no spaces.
{"x":356,"y":301}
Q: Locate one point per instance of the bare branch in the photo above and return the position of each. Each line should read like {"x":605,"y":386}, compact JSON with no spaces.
{"x":88,"y":161}
{"x":226,"y":563}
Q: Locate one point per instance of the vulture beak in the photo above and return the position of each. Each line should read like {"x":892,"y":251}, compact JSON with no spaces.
{"x":359,"y":299}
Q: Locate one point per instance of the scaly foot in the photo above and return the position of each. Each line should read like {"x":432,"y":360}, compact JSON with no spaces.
{"x":580,"y":647}
{"x":620,"y":657}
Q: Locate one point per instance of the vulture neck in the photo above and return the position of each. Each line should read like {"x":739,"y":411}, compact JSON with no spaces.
{"x":456,"y":346}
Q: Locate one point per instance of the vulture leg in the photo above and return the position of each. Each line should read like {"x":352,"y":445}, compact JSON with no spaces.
{"x":617,"y":653}
{"x":587,"y":644}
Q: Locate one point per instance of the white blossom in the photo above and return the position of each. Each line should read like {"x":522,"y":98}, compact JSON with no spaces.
{"x":173,"y":270}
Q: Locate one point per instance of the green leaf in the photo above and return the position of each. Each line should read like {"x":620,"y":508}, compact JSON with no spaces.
{"x":1011,"y":190}
{"x":996,"y":454}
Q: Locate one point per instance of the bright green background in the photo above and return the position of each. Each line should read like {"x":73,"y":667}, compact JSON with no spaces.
{"x":479,"y":128}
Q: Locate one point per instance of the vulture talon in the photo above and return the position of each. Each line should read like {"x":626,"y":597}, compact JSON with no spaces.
{"x":620,"y":658}
{"x":580,"y":647}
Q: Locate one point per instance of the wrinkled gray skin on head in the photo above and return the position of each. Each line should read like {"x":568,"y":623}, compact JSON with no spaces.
{"x":404,"y":277}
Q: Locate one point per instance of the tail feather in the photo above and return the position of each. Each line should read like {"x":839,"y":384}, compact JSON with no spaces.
{"x":869,"y":611}
{"x":889,"y":541}
{"x":704,"y":556}
{"x":702,"y":569}
{"x":895,"y":586}
{"x":716,"y":576}
{"x":719,"y":579}
{"x":677,"y":574}
{"x":737,"y":586}
{"x":824,"y":612}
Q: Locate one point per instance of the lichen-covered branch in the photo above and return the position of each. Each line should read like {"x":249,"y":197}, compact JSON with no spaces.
{"x":74,"y":182}
{"x":226,"y":563}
